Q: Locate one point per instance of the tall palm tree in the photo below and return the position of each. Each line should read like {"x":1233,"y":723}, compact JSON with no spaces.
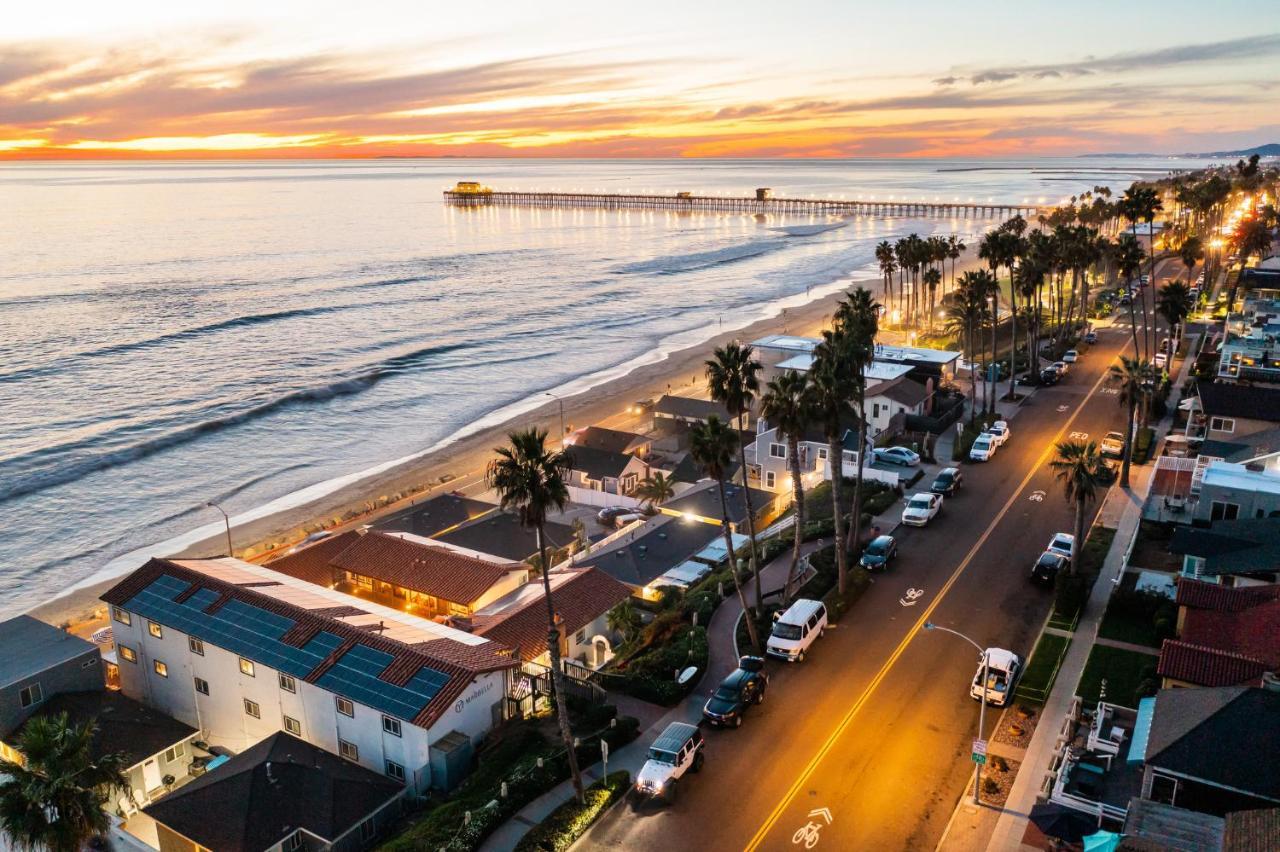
{"x":858,"y":321}
{"x":785,"y":407}
{"x":654,"y":489}
{"x":888,"y":265}
{"x":1128,"y":260}
{"x":1079,"y":468}
{"x":530,"y":478}
{"x":733,"y":377}
{"x":1190,"y":253}
{"x":967,"y":314}
{"x":1026,"y":279}
{"x":1129,"y":377}
{"x":1174,"y":304}
{"x":932,"y":278}
{"x":1141,"y":203}
{"x":830,"y":390}
{"x":712,"y":445}
{"x":54,"y":799}
{"x":955,"y":248}
{"x":1252,"y":236}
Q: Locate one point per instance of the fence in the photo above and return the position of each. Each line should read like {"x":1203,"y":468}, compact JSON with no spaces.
{"x":591,"y":497}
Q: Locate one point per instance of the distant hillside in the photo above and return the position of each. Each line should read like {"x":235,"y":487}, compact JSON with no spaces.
{"x":1271,"y":149}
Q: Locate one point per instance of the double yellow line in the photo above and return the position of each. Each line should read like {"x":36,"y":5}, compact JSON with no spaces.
{"x":880,"y":675}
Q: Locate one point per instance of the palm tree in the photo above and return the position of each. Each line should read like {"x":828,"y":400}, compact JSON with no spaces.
{"x":1190,"y":253}
{"x":830,"y":390}
{"x":858,"y":321}
{"x":1130,"y":378}
{"x":1252,"y":237}
{"x":654,"y":489}
{"x":1141,"y":204}
{"x":955,"y":248}
{"x":530,"y":478}
{"x":1174,"y":304}
{"x":932,"y":278}
{"x":1079,"y":468}
{"x":888,"y":264}
{"x":712,"y":445}
{"x":733,"y":379}
{"x":785,"y":407}
{"x":967,"y":314}
{"x":53,"y":800}
{"x":624,"y":619}
{"x":1128,"y":260}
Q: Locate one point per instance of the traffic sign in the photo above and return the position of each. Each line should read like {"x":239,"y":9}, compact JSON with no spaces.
{"x":979,"y":746}
{"x":979,"y":758}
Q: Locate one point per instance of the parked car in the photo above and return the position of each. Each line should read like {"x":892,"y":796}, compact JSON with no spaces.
{"x":678,"y":750}
{"x":795,"y":630}
{"x":1049,"y":376}
{"x":1091,"y":337}
{"x":1070,"y":356}
{"x":608,"y":516}
{"x":897,"y":455}
{"x":1062,"y":543}
{"x":948,"y":481}
{"x":1000,"y":430}
{"x":319,"y":535}
{"x":1160,"y":360}
{"x":1061,"y":367}
{"x":983,"y":448}
{"x":879,"y":553}
{"x":1126,"y":300}
{"x":1003,"y":669}
{"x":1047,"y":566}
{"x":745,"y":686}
{"x":629,"y":517}
{"x":1112,"y":445}
{"x":921,"y":508}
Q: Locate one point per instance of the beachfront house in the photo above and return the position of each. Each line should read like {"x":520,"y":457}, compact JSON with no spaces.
{"x":702,"y":503}
{"x":1237,"y":553}
{"x":240,"y":652}
{"x":39,"y":661}
{"x":768,"y":466}
{"x":1230,"y":491}
{"x":280,"y":795}
{"x":404,"y":571}
{"x":594,"y":472}
{"x":689,"y":410}
{"x":611,"y":441}
{"x":660,"y":552}
{"x":436,"y":515}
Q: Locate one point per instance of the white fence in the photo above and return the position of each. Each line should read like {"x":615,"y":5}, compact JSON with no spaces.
{"x":589,"y":497}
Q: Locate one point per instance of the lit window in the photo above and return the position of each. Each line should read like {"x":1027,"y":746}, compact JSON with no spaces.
{"x":251,"y":709}
{"x":391,"y":726}
{"x":178,"y":751}
{"x":121,"y":616}
{"x":246,"y":667}
{"x":348,"y":750}
{"x":32,"y":694}
{"x":293,"y":726}
{"x":287,"y":683}
{"x":196,"y":646}
{"x":395,"y":770}
{"x":155,"y":630}
{"x":127,"y":653}
{"x":160,"y":668}
{"x":345,"y":707}
{"x":202,"y":686}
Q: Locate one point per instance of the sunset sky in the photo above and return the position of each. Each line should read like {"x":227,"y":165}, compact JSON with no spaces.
{"x":809,"y":78}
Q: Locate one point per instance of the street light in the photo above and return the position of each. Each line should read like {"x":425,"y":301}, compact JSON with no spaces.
{"x":561,"y":401}
{"x":982,"y":699}
{"x":227,"y":520}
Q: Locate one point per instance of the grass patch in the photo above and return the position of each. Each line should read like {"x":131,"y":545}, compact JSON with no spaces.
{"x":1139,"y":618}
{"x":1130,"y":675}
{"x":1042,"y":668}
{"x":571,"y":820}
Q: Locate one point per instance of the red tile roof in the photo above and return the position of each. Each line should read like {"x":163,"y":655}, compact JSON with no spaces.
{"x":1197,"y":594}
{"x":578,"y":601}
{"x":1254,"y":632}
{"x":313,"y":563}
{"x":1208,"y":666}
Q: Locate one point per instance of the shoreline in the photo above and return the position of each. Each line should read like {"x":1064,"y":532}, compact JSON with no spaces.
{"x":364,"y":496}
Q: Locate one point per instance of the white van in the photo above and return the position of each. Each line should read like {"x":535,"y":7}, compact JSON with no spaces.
{"x":796,"y":629}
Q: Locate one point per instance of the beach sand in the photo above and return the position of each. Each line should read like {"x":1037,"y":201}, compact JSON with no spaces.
{"x":462,"y":463}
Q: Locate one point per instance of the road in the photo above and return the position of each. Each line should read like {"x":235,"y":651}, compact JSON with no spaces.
{"x":876,"y":725}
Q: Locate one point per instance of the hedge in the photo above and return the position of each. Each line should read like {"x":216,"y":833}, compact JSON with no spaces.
{"x":571,"y":820}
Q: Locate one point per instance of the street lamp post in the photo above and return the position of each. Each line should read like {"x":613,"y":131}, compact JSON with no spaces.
{"x":982,"y":700}
{"x":561,"y":401}
{"x":227,"y":520}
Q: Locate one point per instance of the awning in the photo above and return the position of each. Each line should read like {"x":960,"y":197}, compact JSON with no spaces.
{"x":714,"y":553}
{"x":1142,"y":730}
{"x":683,"y":575}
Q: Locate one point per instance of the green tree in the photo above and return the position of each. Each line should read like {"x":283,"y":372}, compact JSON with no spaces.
{"x":785,"y":407}
{"x":624,"y":619}
{"x":1079,"y":468}
{"x":1141,"y":203}
{"x":888,"y":265}
{"x":530,"y":478}
{"x":654,"y":489}
{"x":1127,"y":256}
{"x":966,"y":315}
{"x":857,"y":320}
{"x":712,"y":445}
{"x":1190,"y":253}
{"x":1130,"y":378}
{"x":1174,"y":305}
{"x":932,"y":278}
{"x":54,"y":799}
{"x":830,"y":392}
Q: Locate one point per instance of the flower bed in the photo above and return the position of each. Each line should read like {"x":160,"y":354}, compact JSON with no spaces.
{"x":571,"y":820}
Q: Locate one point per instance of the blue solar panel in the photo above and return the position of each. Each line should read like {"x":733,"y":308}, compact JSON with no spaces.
{"x":355,"y":676}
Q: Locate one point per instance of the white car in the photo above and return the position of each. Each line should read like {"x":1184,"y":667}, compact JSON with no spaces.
{"x":1161,"y":360}
{"x":1070,"y":356}
{"x":983,"y":448}
{"x":1000,"y":429}
{"x":795,"y":630}
{"x":1112,"y":445}
{"x":1062,"y":543}
{"x":1061,"y":367}
{"x":1003,"y":669}
{"x":921,"y":508}
{"x":897,"y":455}
{"x":676,"y":751}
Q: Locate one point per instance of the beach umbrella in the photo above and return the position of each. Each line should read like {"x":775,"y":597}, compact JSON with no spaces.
{"x":1102,"y":841}
{"x":1062,"y":822}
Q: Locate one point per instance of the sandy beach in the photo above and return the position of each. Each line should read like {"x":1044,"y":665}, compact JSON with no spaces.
{"x":462,"y":463}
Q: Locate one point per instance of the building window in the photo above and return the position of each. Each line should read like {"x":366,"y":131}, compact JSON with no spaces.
{"x":202,"y":686}
{"x":30,"y":695}
{"x":155,"y":630}
{"x":251,"y":708}
{"x":580,"y":636}
{"x":367,"y":830}
{"x":287,"y":683}
{"x":345,"y":707}
{"x":770,"y":478}
{"x":348,"y":750}
{"x":875,"y":411}
{"x":294,"y":843}
{"x":178,"y":751}
{"x":196,"y":646}
{"x":160,"y":668}
{"x":391,"y":726}
{"x":127,"y":653}
{"x":395,"y":770}
{"x":246,"y":667}
{"x":293,"y":726}
{"x":778,"y":451}
{"x":1222,"y":424}
{"x":121,"y":616}
{"x":822,"y":453}
{"x":1220,"y":511}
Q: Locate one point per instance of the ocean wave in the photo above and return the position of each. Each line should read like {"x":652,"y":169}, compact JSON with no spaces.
{"x":810,"y":230}
{"x":676,"y":263}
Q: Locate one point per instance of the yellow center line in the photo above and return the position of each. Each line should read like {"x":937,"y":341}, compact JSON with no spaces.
{"x":911,"y":634}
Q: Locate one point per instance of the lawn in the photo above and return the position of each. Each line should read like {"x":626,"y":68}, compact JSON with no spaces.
{"x":1042,"y":668}
{"x":1130,"y":675}
{"x":1137,"y":617}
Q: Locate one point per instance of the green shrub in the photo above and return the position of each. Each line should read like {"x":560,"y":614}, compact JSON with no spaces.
{"x":571,"y":820}
{"x":990,"y":787}
{"x":1070,"y":593}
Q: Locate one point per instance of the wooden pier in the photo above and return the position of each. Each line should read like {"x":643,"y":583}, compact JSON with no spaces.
{"x":763,"y":202}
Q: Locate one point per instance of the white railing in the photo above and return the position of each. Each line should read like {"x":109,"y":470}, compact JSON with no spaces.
{"x":591,"y":497}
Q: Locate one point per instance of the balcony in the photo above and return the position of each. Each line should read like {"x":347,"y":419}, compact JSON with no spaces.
{"x":1092,"y":773}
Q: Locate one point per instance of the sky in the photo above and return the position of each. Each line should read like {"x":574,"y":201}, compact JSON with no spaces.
{"x":696,"y":78}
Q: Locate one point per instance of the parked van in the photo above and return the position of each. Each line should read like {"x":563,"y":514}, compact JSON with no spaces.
{"x":796,"y":629}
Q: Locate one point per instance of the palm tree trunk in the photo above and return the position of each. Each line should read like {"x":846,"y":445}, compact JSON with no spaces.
{"x":797,"y":488}
{"x":855,"y":533}
{"x":1128,"y":445}
{"x":973,"y":378}
{"x":1078,"y":545}
{"x":733,"y":566}
{"x":557,"y":670}
{"x":1013,"y":340}
{"x":751,"y":515}
{"x":835,"y":466}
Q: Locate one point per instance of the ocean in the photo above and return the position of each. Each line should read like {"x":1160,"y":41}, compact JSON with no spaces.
{"x":175,"y":333}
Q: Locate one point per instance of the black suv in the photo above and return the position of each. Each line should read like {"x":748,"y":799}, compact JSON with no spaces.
{"x":745,"y":686}
{"x":949,"y":481}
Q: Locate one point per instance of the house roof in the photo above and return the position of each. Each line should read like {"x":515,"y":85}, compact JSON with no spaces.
{"x":1254,"y":632}
{"x":1243,"y":447}
{"x":395,"y":662}
{"x":1247,"y":401}
{"x":519,"y":620}
{"x":611,"y":440}
{"x":704,"y":502}
{"x":1252,"y":831}
{"x":1240,"y":546}
{"x":501,"y":535}
{"x":1196,"y":594}
{"x":436,"y":515}
{"x":1237,"y":477}
{"x":1173,"y":829}
{"x":695,"y":409}
{"x":30,"y":646}
{"x":596,"y":463}
{"x":1205,"y":666}
{"x":270,"y":790}
{"x":687,"y":470}
{"x":906,"y":392}
{"x":123,"y":725}
{"x":1201,"y":733}
{"x":314,"y":563}
{"x":660,"y":545}
{"x":914,"y":355}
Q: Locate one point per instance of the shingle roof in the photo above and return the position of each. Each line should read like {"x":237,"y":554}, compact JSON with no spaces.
{"x":1247,"y":401}
{"x":124,"y":725}
{"x":906,"y":392}
{"x":1207,"y":666}
{"x":434,"y":516}
{"x":1252,"y":831}
{"x":663,"y":543}
{"x":42,"y":646}
{"x":581,"y":598}
{"x":696,"y":409}
{"x":1197,"y":594}
{"x":596,"y":463}
{"x":314,"y":563}
{"x":1240,"y":546}
{"x":436,"y":571}
{"x":611,"y":440}
{"x":270,"y":790}
{"x":1171,"y":829}
{"x":500,"y":534}
{"x":704,"y":502}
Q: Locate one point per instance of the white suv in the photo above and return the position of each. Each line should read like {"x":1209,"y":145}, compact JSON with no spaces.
{"x":983,"y":448}
{"x":677,"y":750}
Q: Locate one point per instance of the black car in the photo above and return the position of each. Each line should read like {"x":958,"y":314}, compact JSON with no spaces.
{"x":745,"y":686}
{"x":949,"y":481}
{"x":882,"y":550}
{"x":1049,"y":376}
{"x":1047,"y":567}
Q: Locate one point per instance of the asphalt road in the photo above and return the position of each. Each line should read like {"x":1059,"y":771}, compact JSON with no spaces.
{"x":875,"y":726}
